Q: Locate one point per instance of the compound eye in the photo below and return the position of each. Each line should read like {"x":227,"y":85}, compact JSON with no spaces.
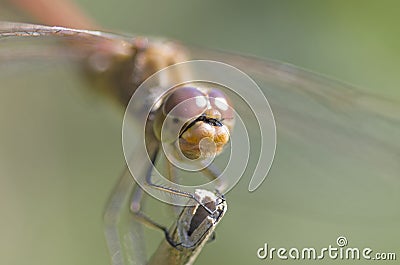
{"x":221,"y":102}
{"x":186,"y":103}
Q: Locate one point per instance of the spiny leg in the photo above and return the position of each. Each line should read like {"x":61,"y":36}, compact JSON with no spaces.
{"x":214,"y":173}
{"x":138,"y":196}
{"x":137,"y":201}
{"x":176,"y":192}
{"x":140,"y":216}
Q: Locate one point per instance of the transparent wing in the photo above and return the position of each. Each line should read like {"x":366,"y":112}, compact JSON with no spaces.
{"x":15,"y":30}
{"x":310,"y":109}
{"x":81,"y":42}
{"x":123,"y":233}
{"x":36,"y":69}
{"x":326,"y":129}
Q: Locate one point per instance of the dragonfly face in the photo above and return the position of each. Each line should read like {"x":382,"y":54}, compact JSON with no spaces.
{"x":199,"y":121}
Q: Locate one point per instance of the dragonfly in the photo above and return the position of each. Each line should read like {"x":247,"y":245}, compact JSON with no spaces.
{"x":305,"y":106}
{"x":194,"y":118}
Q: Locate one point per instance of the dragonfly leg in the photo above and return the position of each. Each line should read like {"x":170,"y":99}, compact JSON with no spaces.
{"x":171,"y":173}
{"x":177,"y":192}
{"x":137,"y":199}
{"x":140,"y":216}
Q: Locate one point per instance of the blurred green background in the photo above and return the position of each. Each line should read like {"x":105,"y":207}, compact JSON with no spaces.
{"x":60,"y":149}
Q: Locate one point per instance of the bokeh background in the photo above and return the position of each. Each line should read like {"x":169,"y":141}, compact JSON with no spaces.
{"x":60,"y":148}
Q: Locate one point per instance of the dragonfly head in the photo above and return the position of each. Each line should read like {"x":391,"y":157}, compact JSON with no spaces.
{"x":198,"y":121}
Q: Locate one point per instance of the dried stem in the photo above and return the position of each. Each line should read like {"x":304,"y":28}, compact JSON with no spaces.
{"x":194,"y":227}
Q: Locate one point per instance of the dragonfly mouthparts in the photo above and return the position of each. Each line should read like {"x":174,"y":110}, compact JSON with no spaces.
{"x":211,"y":121}
{"x":203,"y":118}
